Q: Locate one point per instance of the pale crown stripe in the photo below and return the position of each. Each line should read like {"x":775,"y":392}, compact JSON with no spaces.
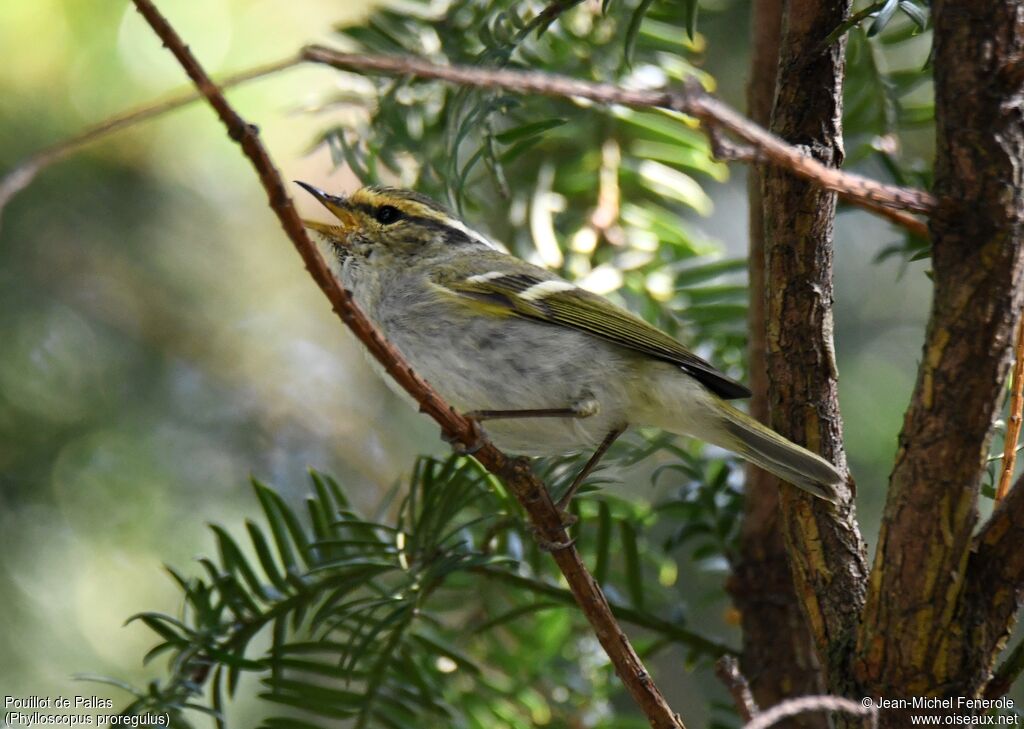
{"x":484,"y":277}
{"x":460,"y":226}
{"x":545,"y":288}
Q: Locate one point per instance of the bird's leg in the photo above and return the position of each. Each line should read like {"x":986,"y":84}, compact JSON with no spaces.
{"x":563,"y":503}
{"x":580,"y":409}
{"x":461,"y":449}
{"x":589,"y":466}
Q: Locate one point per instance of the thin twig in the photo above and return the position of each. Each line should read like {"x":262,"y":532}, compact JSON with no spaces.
{"x":527,"y":488}
{"x":890,"y":201}
{"x":727,"y":668}
{"x":667,"y":628}
{"x":897,"y":217}
{"x":805,"y":704}
{"x":1013,"y":424}
{"x":692,"y":100}
{"x":17,"y":179}
{"x":726,"y":150}
{"x":1006,"y":674}
{"x":994,"y":569}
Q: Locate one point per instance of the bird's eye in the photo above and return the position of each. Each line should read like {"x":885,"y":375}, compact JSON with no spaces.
{"x":387,"y":214}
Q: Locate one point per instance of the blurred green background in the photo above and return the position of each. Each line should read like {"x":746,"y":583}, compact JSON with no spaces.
{"x":160,"y":341}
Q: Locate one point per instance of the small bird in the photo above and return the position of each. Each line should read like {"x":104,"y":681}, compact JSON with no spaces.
{"x":550,"y":367}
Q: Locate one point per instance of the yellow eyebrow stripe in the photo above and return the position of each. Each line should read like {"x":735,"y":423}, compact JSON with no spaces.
{"x":373,"y":199}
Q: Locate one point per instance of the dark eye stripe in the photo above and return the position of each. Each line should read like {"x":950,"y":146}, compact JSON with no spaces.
{"x":452,"y":235}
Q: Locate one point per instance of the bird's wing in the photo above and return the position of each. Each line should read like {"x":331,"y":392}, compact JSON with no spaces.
{"x":530,"y":292}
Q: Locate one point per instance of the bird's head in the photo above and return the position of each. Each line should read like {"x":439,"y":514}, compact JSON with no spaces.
{"x":391,"y":223}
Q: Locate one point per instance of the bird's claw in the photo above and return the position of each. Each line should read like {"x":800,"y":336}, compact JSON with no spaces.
{"x":568,"y":518}
{"x":548,"y":545}
{"x":458,"y":445}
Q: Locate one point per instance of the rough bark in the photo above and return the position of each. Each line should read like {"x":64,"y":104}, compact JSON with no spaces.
{"x":994,"y":593}
{"x":923,"y":632}
{"x":778,"y":657}
{"x":825,"y":547}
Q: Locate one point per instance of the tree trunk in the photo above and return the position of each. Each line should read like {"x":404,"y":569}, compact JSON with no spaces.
{"x":940,"y":604}
{"x":825,"y":547}
{"x":778,"y":656}
{"x":923,"y":632}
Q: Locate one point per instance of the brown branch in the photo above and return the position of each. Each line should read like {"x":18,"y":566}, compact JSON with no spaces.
{"x":804,"y":704}
{"x":994,"y":593}
{"x":528,"y":489}
{"x":1013,"y":423}
{"x":727,"y":668}
{"x":900,"y":218}
{"x":21,"y":176}
{"x":728,"y":671}
{"x":889,"y":201}
{"x":669,"y":629}
{"x":728,"y":151}
{"x":1006,"y":674}
{"x":692,"y":100}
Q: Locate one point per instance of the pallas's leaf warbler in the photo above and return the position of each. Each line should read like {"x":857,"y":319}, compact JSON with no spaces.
{"x":552,"y":368}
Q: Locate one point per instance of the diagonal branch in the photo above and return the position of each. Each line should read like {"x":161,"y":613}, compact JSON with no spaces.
{"x":528,"y":489}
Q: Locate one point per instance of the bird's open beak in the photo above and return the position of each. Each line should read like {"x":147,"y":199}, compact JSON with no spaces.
{"x":339,"y":208}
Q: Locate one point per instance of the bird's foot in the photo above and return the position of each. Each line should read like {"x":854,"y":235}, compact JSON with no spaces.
{"x":477,"y":441}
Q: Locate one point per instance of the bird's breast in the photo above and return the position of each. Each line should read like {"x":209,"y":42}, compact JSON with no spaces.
{"x":482,"y":362}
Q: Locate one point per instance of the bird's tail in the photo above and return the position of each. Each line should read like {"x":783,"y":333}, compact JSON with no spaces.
{"x":769,"y":450}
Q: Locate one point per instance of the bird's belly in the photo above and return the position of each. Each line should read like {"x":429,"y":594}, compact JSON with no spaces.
{"x":515,"y":364}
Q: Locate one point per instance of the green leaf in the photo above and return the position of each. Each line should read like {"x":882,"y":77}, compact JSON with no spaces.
{"x":234,"y":561}
{"x":117,"y":683}
{"x":677,"y":155}
{"x":217,"y":697}
{"x":634,"y":570}
{"x":298,"y":534}
{"x":442,"y":648}
{"x":604,"y":539}
{"x":717,"y":293}
{"x":691,"y":7}
{"x":668,"y":182}
{"x":278,"y":527}
{"x":696,"y":273}
{"x":163,"y":625}
{"x":526,"y":131}
{"x":288,"y":723}
{"x":633,"y":29}
{"x":266,"y":558}
{"x":518,"y":149}
{"x":883,"y":17}
{"x":514,"y":614}
{"x":915,"y":13}
{"x":668,"y":126}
